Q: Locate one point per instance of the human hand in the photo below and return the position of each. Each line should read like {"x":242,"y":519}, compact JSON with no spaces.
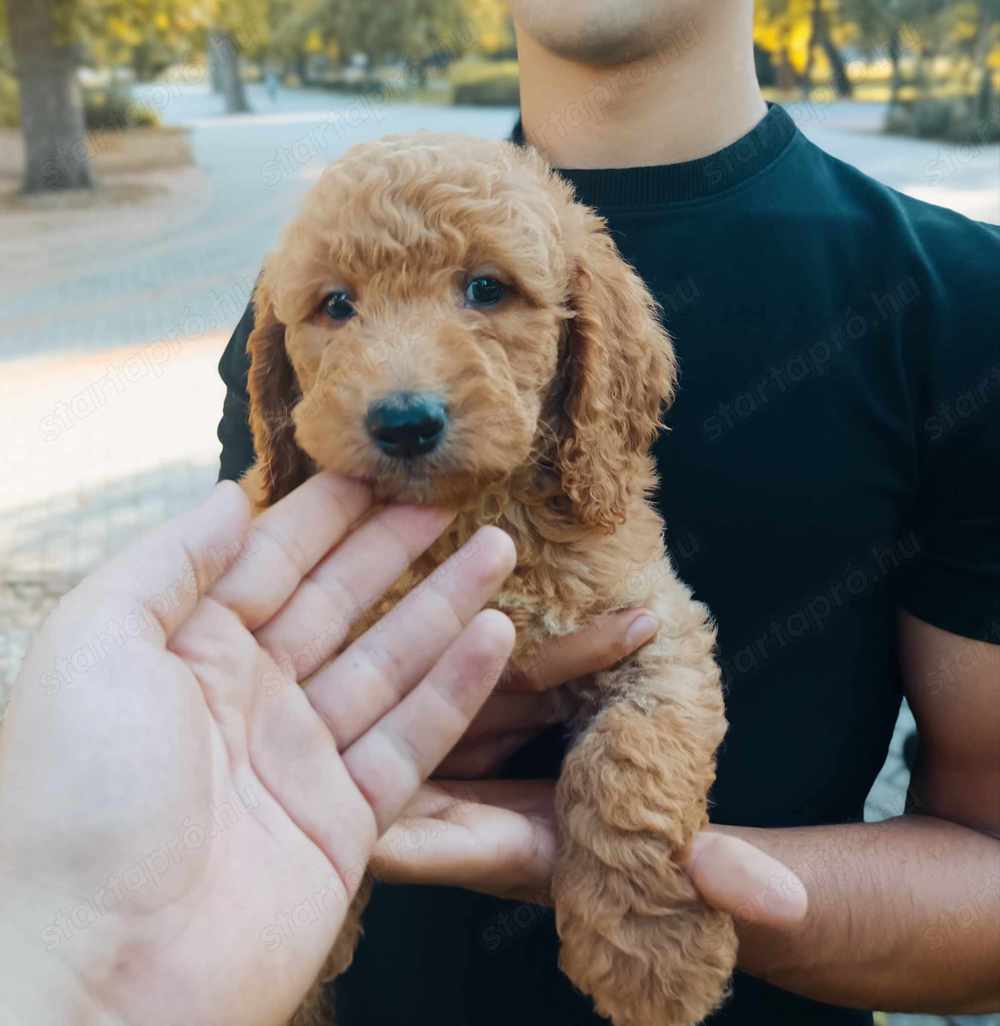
{"x":526,"y":703}
{"x":184,"y":825}
{"x":499,"y":837}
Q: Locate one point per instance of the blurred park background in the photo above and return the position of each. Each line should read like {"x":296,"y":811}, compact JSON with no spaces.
{"x":151,"y":150}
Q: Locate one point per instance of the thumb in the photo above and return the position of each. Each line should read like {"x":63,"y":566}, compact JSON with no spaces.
{"x":735,"y":877}
{"x":166,"y":572}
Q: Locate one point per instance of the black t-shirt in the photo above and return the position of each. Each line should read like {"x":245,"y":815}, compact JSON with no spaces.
{"x":832,"y":456}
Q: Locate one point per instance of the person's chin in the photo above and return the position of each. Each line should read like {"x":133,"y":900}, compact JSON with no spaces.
{"x":606,"y":35}
{"x":600,"y":52}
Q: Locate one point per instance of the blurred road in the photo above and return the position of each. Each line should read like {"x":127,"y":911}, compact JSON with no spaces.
{"x":193,"y":274}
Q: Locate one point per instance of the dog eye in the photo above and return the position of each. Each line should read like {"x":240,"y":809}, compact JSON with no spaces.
{"x":338,"y":306}
{"x":484,"y":291}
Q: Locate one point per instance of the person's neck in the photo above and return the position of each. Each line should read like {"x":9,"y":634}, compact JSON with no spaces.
{"x":697,"y":95}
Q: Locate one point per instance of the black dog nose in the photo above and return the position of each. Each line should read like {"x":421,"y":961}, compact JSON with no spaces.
{"x":407,"y":424}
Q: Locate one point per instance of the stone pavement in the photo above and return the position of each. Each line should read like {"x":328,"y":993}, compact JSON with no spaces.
{"x":108,"y":393}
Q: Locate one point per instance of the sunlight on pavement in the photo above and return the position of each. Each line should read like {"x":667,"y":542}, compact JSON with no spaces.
{"x":75,"y":421}
{"x":101,"y":446}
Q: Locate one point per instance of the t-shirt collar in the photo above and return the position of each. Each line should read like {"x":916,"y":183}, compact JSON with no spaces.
{"x":690,"y":180}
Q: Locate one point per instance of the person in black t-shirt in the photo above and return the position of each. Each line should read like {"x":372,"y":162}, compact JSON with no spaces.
{"x":830,"y":488}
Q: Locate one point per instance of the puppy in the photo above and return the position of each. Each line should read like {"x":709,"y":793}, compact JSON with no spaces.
{"x":445,"y":322}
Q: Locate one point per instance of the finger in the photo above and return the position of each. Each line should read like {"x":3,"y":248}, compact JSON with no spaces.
{"x":601,"y":644}
{"x":469,"y":760}
{"x":735,"y":877}
{"x":317,"y":619}
{"x":507,"y":722}
{"x":368,"y":679}
{"x":509,"y":711}
{"x":286,"y":541}
{"x":393,"y":759}
{"x":166,"y":572}
{"x":442,"y":798}
{"x":496,"y":836}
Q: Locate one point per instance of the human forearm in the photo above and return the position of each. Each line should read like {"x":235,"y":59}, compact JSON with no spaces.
{"x":903,"y":915}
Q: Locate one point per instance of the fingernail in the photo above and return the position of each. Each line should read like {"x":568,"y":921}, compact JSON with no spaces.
{"x":786,"y":896}
{"x":640,"y":630}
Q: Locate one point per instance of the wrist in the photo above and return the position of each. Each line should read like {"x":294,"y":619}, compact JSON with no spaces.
{"x":41,"y":985}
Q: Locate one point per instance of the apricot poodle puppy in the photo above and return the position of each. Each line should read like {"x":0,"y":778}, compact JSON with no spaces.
{"x":443,"y":320}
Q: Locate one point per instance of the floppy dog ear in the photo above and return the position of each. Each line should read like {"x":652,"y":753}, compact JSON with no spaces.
{"x":618,"y":370}
{"x":274,"y":392}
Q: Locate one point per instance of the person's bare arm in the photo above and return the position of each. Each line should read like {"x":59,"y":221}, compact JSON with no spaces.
{"x":905,"y":914}
{"x":901,"y":915}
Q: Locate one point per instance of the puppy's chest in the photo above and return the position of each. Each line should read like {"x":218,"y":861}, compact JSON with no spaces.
{"x":547,"y":594}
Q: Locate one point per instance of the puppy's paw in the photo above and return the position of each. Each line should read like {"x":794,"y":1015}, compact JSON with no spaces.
{"x":634,"y":933}
{"x":642,"y":962}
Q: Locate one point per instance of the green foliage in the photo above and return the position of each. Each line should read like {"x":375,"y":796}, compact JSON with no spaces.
{"x":150,"y":35}
{"x":485,"y":84}
{"x":10,"y":103}
{"x":103,"y":109}
{"x":111,"y":110}
{"x":933,"y":49}
{"x":356,"y":87}
{"x":410,"y":30}
{"x":952,"y":120}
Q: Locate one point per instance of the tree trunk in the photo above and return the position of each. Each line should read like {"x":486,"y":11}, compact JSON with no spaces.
{"x":232,"y":81}
{"x":788,"y":78}
{"x":214,"y":63}
{"x":894,"y":47}
{"x":841,"y":80}
{"x":821,"y":35}
{"x":807,"y":71}
{"x":984,"y":95}
{"x":302,"y":68}
{"x":55,"y":137}
{"x":921,"y":76}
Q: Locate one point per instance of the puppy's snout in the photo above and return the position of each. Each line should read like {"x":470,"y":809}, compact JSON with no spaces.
{"x":407,"y":424}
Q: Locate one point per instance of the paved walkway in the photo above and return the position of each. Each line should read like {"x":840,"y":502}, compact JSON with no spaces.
{"x":108,"y":391}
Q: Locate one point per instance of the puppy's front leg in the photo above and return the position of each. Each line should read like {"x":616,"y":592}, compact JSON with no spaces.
{"x":632,"y":794}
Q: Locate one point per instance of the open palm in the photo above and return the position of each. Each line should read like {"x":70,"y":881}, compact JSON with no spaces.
{"x":196,"y":783}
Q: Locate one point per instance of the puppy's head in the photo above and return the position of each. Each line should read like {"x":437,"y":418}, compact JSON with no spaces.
{"x":440,"y":317}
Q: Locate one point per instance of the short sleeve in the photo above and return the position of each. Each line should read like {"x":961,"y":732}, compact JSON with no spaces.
{"x":954,"y":582}
{"x":234,"y":428}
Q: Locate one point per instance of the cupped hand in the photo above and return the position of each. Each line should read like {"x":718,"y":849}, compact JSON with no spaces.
{"x":191,"y":784}
{"x":528,"y":702}
{"x":499,"y":837}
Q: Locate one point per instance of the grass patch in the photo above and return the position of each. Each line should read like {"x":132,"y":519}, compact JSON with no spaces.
{"x":485,"y":83}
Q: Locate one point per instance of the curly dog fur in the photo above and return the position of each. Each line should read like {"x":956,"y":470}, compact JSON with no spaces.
{"x":554,"y":396}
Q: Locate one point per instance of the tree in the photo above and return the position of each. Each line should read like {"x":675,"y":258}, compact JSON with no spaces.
{"x":224,"y":54}
{"x":986,"y":40}
{"x":492,"y":28}
{"x":879,"y":27}
{"x":414,"y":31}
{"x":149,"y":35}
{"x":47,"y":58}
{"x":236,"y":27}
{"x":822,"y":38}
{"x":50,"y":39}
{"x":783,"y":28}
